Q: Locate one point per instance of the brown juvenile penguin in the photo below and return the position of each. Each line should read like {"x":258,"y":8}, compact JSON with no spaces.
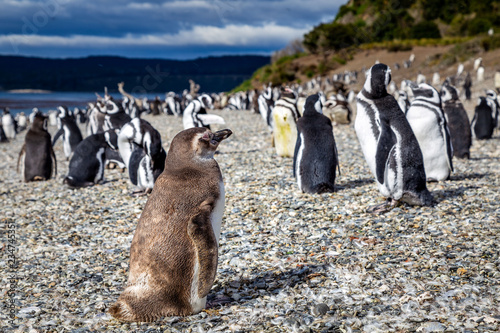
{"x":39,"y":158}
{"x":173,"y":256}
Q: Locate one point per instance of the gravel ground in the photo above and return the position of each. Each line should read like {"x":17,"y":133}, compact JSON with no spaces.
{"x":292,"y":262}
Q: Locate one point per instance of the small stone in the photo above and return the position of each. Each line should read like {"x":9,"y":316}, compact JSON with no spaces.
{"x":319,"y":309}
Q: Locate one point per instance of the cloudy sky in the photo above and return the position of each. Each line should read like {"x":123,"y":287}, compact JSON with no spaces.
{"x":157,"y":28}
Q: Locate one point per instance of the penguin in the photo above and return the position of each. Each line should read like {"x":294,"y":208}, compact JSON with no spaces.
{"x":492,"y":99}
{"x":33,"y":113}
{"x":480,"y":74}
{"x":467,"y":85}
{"x":3,"y":137}
{"x":315,"y":159}
{"x":96,"y":118}
{"x":9,"y":124}
{"x":145,"y":168}
{"x":69,"y":130}
{"x":458,"y":121}
{"x":483,"y":122}
{"x":22,"y":121}
{"x":403,"y":101}
{"x":436,"y":79}
{"x":115,"y":117}
{"x":389,"y":146}
{"x":173,"y":104}
{"x":195,"y":114}
{"x":138,"y":132}
{"x":427,"y":120}
{"x":266,"y":105}
{"x":285,"y":115}
{"x":337,"y":109}
{"x":174,"y":251}
{"x":86,"y":167}
{"x":37,"y":156}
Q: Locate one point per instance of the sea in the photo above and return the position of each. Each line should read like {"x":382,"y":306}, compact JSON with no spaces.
{"x":25,"y":101}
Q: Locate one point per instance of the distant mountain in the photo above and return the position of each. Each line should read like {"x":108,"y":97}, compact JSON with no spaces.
{"x":213,"y":74}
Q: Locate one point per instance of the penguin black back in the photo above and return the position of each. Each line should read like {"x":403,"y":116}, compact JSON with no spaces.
{"x":315,"y":158}
{"x":39,"y":158}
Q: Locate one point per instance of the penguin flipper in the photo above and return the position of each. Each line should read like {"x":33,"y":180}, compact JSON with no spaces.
{"x":201,"y":233}
{"x":386,"y":142}
{"x":209,"y":119}
{"x":57,"y":135}
{"x":54,"y":161}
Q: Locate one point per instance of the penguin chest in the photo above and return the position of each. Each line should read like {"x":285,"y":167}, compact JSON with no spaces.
{"x":218,"y":212}
{"x":66,"y":142}
{"x":285,"y":132}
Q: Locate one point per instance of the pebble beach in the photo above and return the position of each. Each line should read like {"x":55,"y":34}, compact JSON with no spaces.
{"x":291,"y":262}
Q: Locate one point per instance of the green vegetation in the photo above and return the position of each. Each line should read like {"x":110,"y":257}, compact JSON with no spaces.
{"x":395,"y":25}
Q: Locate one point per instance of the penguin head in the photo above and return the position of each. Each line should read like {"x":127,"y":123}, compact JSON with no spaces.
{"x":39,"y":122}
{"x":111,"y":107}
{"x":426,"y":92}
{"x":448,"y":93}
{"x":491,"y":94}
{"x":206,"y":101}
{"x":63,"y":112}
{"x":313,"y":104}
{"x":378,"y":78}
{"x":197,"y":144}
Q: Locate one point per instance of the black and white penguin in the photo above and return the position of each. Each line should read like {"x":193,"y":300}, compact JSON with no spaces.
{"x":458,"y":121}
{"x":315,"y":159}
{"x":96,"y":118}
{"x":266,"y":105}
{"x":173,"y":256}
{"x":388,"y":143}
{"x":173,"y":104}
{"x":427,"y":120}
{"x":403,"y":101}
{"x":37,"y":156}
{"x":9,"y":124}
{"x":3,"y":137}
{"x":138,"y":132}
{"x":115,"y":117}
{"x":22,"y":122}
{"x":483,"y":123}
{"x":145,"y":167}
{"x":69,"y":130}
{"x":492,"y":98}
{"x":87,"y":164}
{"x":195,"y":114}
{"x":285,"y":115}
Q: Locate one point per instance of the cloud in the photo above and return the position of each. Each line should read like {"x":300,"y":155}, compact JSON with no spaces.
{"x":86,"y":25}
{"x":230,"y":35}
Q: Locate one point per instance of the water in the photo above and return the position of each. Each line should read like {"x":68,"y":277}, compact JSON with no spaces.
{"x":25,"y":102}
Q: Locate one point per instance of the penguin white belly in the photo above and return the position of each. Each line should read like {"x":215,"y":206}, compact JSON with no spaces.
{"x":124,"y":146}
{"x":145,"y":177}
{"x":197,"y":303}
{"x":100,"y":173}
{"x":366,"y":138}
{"x":284,"y":131}
{"x":66,"y":144}
{"x":432,"y":144}
{"x":187,"y":117}
{"x":298,"y":161}
{"x":218,"y":212}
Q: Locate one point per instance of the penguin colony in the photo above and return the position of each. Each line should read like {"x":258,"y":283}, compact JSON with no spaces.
{"x":407,"y":135}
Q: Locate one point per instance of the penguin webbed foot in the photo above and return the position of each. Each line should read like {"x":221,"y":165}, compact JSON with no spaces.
{"x":384,"y":207}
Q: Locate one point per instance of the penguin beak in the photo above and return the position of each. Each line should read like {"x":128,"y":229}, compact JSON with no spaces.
{"x":221,"y":135}
{"x":411,"y":84}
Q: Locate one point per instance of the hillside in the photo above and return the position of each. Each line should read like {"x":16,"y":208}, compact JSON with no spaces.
{"x":214,"y":74}
{"x":460,"y":30}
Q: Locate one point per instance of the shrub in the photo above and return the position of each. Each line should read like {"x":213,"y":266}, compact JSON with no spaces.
{"x":425,"y":29}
